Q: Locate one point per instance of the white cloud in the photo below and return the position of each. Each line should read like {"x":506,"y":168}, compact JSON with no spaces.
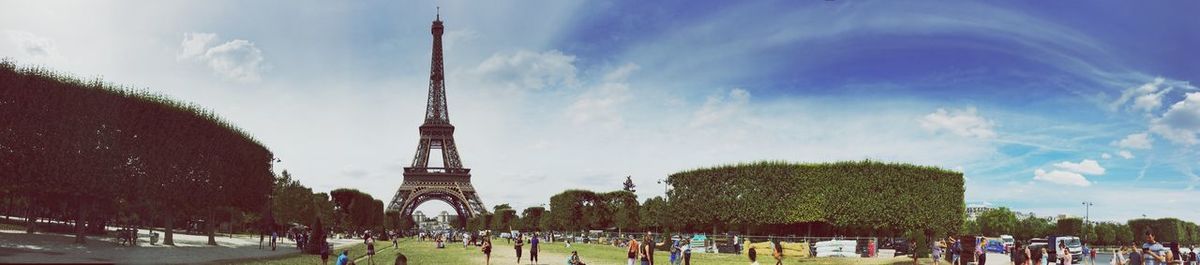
{"x":719,"y":108}
{"x":237,"y":60}
{"x":1105,"y":156}
{"x":1149,"y":97}
{"x":32,"y":45}
{"x":1087,"y":166}
{"x":601,"y":105}
{"x":1181,"y":122}
{"x":530,"y":70}
{"x":1061,"y":177}
{"x":1125,"y":154}
{"x":966,"y":123}
{"x":195,"y":44}
{"x":1136,"y":141}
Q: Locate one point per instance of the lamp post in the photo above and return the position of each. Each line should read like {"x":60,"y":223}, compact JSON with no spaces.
{"x":665,"y":187}
{"x":1087,"y":210}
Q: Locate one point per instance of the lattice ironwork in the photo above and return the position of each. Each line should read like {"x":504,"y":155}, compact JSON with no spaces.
{"x":450,"y":183}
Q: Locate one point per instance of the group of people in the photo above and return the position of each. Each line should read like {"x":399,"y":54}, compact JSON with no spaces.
{"x":642,"y":252}
{"x":1152,"y":252}
{"x":519,"y":242}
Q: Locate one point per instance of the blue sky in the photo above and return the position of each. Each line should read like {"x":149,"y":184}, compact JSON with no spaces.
{"x":1041,"y":105}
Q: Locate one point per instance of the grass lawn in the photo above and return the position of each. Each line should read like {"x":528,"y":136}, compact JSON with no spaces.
{"x":424,"y":252}
{"x":416,"y":252}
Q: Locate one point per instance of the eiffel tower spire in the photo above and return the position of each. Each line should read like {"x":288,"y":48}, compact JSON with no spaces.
{"x":435,"y":109}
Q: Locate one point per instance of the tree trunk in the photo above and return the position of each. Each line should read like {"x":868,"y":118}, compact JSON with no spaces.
{"x":208,"y":225}
{"x":80,"y":216}
{"x":168,"y":238}
{"x":30,"y":219}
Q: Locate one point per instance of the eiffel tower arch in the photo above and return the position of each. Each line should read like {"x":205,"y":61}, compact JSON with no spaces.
{"x":450,"y":183}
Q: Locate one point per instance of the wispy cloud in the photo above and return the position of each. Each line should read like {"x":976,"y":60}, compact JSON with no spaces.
{"x":237,"y":60}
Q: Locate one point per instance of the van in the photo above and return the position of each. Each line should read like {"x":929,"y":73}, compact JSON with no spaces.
{"x":1072,"y":242}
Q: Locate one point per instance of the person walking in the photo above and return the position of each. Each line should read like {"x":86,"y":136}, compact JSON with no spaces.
{"x":687,"y":252}
{"x":980,"y":253}
{"x":1065,"y":255}
{"x":1092,"y":255}
{"x":955,"y":250}
{"x":1016,"y":255}
{"x":650,"y":245}
{"x":644,"y":251}
{"x":325,"y":254}
{"x":871,"y":248}
{"x":274,"y":239}
{"x":936,"y":251}
{"x":631,"y":251}
{"x":1045,"y":256}
{"x":533,"y":249}
{"x":487,"y":250}
{"x":777,"y":251}
{"x":518,"y":242}
{"x":1118,"y":257}
{"x":1152,"y":251}
{"x":676,"y":252}
{"x":1035,"y":256}
{"x":371,"y":251}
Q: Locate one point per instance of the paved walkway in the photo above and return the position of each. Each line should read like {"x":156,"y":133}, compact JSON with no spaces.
{"x":19,"y":247}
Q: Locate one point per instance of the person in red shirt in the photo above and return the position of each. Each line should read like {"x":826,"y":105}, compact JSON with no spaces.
{"x":871,"y":248}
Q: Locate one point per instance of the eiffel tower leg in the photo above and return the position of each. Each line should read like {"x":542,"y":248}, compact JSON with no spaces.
{"x":421,"y":159}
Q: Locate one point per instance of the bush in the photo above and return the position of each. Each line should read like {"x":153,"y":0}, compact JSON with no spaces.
{"x":855,"y":198}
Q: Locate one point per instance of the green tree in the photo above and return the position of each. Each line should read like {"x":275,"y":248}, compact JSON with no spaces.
{"x":970,"y":227}
{"x":624,"y":206}
{"x":653,"y":213}
{"x":503,"y":220}
{"x":1069,"y":226}
{"x":996,"y":222}
{"x":531,"y":218}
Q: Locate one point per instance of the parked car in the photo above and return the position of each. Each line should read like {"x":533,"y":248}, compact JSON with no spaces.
{"x":995,"y":246}
{"x":1008,"y":241}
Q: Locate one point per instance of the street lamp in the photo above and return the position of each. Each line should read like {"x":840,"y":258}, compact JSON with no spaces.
{"x":1087,"y":210}
{"x":665,"y":186}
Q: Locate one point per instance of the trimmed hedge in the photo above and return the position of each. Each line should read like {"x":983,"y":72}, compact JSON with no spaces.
{"x":1165,"y":230}
{"x":854,"y":196}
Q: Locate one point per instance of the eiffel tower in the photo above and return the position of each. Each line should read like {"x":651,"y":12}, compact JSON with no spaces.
{"x":450,"y":183}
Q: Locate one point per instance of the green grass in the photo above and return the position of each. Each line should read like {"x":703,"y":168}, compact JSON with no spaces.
{"x":424,"y":252}
{"x":416,"y":252}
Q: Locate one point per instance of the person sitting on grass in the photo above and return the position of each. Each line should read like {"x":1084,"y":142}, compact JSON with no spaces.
{"x":574,"y":259}
{"x":753,"y":255}
{"x":344,"y":258}
{"x":401,"y":259}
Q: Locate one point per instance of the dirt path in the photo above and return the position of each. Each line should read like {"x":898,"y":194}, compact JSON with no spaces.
{"x":504,"y":253}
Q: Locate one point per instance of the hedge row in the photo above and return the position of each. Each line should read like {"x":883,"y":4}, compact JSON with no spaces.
{"x":1166,"y":230}
{"x":858,"y":195}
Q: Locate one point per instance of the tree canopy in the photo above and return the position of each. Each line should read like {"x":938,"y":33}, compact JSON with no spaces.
{"x":109,"y":151}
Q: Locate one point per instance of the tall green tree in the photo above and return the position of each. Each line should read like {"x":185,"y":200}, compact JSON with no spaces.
{"x":531,"y":218}
{"x":996,"y":222}
{"x":654,"y":213}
